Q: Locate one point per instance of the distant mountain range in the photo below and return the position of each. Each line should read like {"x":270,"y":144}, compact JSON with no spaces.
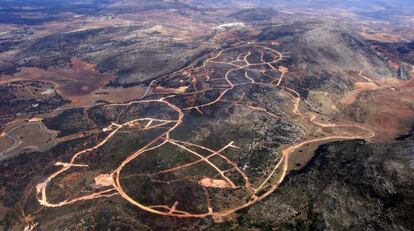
{"x":354,"y":5}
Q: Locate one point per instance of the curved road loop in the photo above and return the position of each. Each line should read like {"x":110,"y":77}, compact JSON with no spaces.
{"x":263,"y":189}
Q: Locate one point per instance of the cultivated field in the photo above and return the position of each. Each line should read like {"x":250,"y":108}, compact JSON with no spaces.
{"x":26,"y":136}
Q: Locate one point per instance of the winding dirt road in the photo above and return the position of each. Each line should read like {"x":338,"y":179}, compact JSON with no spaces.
{"x":17,"y":142}
{"x":268,"y":185}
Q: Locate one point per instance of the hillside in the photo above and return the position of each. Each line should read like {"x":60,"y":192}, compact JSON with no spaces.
{"x":206,"y":115}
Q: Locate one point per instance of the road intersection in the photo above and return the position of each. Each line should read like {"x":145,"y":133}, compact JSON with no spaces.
{"x":257,"y":190}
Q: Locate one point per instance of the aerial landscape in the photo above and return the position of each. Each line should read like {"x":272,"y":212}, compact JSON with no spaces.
{"x":206,"y":115}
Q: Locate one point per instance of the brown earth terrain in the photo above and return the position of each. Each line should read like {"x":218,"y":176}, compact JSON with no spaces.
{"x":215,"y":115}
{"x":79,"y":79}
